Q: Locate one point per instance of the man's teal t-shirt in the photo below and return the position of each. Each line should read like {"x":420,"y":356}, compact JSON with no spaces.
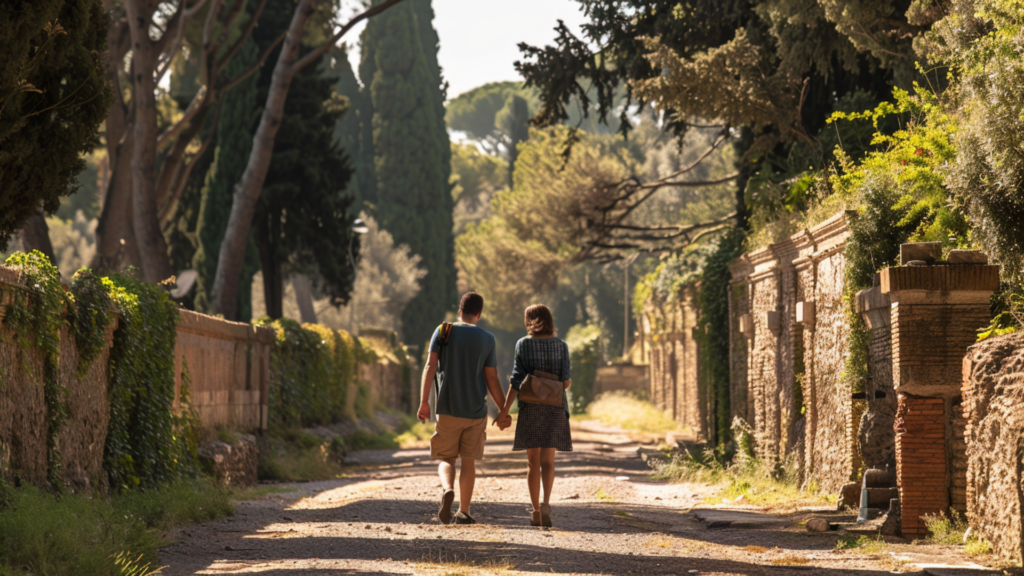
{"x":464,"y":390}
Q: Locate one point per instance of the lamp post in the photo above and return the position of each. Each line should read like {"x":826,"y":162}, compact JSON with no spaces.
{"x":358,"y":227}
{"x":625,"y":305}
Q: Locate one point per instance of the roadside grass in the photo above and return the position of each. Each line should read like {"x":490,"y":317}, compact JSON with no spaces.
{"x":874,"y":547}
{"x":949,"y":530}
{"x":745,"y":480}
{"x":296,"y":455}
{"x":259,"y":492}
{"x":630,"y":413}
{"x":604,"y":496}
{"x":43,"y":534}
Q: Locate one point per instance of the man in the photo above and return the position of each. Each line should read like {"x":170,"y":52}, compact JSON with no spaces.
{"x":469,"y":374}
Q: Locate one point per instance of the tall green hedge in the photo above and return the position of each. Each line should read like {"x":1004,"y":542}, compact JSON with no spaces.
{"x":585,"y":354}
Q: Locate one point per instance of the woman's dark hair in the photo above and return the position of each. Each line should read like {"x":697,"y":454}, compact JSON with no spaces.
{"x":472,"y":304}
{"x":539,"y":321}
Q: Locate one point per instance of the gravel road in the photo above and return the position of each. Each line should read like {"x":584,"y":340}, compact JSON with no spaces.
{"x":609,"y":518}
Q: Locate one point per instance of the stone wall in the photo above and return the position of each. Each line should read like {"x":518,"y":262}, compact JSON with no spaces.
{"x":228,"y":364}
{"x":993,"y":410}
{"x":787,"y":302}
{"x":622,"y":377}
{"x":674,"y":352}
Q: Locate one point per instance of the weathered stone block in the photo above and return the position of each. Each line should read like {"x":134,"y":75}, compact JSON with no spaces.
{"x":927,"y":251}
{"x":773,"y":320}
{"x":875,"y":307}
{"x":232,"y":464}
{"x":967,"y":257}
{"x":746,"y":326}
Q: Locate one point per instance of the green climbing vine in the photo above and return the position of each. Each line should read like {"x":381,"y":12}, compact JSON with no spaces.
{"x":311,"y":371}
{"x":146,"y":444}
{"x":91,"y":314}
{"x":36,"y":319}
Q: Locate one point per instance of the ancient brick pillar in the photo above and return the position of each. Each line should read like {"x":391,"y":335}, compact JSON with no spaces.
{"x":937,"y":308}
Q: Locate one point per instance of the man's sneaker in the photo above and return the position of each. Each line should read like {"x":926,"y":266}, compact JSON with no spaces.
{"x":444,"y":514}
{"x":463,"y":518}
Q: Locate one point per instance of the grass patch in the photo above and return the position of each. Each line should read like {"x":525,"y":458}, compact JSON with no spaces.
{"x":227,"y":436}
{"x":621,"y":514}
{"x":604,"y":496}
{"x":755,"y":549}
{"x":949,"y":529}
{"x":863,"y":544}
{"x":417,"y":436}
{"x":454,"y":562}
{"x":790,"y":560}
{"x":630,"y":413}
{"x":295,"y":456}
{"x":43,"y":535}
{"x":759,"y":484}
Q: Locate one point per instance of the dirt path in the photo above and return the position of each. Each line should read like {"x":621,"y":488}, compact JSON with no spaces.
{"x":381,"y":521}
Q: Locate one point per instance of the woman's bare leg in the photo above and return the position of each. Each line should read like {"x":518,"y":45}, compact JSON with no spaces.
{"x":533,"y":457}
{"x":547,"y":471}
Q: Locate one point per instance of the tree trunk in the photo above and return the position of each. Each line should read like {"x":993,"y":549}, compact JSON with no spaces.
{"x":152,"y":247}
{"x":36,"y":236}
{"x":273,"y":285}
{"x":247,"y":192}
{"x":115,"y":238}
{"x":304,"y":297}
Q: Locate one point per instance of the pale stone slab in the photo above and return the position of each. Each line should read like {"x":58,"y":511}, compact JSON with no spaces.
{"x":927,"y":251}
{"x":967,"y":257}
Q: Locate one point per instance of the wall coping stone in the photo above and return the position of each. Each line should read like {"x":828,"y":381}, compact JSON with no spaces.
{"x":196,"y":323}
{"x":875,"y":307}
{"x":940,"y":284}
{"x":798,"y":250}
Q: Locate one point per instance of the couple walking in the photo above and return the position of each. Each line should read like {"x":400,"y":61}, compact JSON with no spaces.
{"x":465,"y":355}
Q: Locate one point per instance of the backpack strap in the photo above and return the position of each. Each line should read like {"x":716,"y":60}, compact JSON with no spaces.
{"x":444,"y":333}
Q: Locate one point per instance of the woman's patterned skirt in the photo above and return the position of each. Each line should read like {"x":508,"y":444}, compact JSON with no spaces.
{"x":542,"y":426}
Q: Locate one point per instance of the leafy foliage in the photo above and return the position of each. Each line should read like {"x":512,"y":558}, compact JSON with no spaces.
{"x":980,"y":43}
{"x":312,"y":370}
{"x":92,"y":314}
{"x":53,"y":97}
{"x":585,"y":357}
{"x":147,"y":443}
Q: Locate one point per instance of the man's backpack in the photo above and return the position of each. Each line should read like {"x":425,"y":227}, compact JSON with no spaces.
{"x":444,"y":332}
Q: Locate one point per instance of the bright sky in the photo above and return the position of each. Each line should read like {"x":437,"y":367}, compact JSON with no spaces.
{"x":479,"y":38}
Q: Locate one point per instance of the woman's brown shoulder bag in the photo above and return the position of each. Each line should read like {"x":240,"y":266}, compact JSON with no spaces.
{"x":541,"y":388}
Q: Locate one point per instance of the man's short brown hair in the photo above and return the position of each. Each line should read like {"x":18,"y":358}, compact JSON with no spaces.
{"x":538,"y":321}
{"x":472,"y":304}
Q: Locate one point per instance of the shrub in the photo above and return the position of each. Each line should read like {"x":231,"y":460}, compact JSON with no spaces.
{"x":584,"y":355}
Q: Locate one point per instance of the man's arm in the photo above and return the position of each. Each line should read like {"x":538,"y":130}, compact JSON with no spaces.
{"x":494,"y":386}
{"x":428,"y":379}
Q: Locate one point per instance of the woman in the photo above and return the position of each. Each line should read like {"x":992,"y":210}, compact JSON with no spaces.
{"x":541,"y":428}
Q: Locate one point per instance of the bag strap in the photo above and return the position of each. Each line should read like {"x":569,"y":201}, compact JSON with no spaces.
{"x":444,"y":332}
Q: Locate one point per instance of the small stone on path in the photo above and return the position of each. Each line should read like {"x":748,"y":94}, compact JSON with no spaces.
{"x":817,"y":525}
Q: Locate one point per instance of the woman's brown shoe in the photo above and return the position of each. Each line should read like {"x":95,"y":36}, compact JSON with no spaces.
{"x":545,"y":515}
{"x":535,"y":519}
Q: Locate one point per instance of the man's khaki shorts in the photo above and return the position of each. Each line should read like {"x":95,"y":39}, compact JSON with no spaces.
{"x":454,"y":436}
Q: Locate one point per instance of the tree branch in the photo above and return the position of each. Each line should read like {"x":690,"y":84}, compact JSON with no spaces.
{"x":266,"y":54}
{"x":223,"y":62}
{"x":318,"y":52}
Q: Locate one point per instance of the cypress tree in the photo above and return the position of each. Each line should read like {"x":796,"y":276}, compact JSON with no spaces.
{"x":412,"y":152}
{"x":354,"y":132}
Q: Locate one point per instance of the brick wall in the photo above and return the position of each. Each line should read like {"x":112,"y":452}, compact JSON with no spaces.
{"x":920,"y":460}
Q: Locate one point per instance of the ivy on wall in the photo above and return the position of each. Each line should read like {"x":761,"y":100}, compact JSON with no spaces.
{"x":147,"y":443}
{"x":93,"y":311}
{"x":311,"y":370}
{"x":36,"y":318}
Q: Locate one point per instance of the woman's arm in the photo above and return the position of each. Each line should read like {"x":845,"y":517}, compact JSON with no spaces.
{"x":567,"y":384}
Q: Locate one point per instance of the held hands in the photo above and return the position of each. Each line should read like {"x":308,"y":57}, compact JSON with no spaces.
{"x":424,"y":412}
{"x":503,"y":421}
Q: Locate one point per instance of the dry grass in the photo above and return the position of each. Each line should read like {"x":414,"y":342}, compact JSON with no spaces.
{"x":457,"y":563}
{"x":789,"y":560}
{"x":630,"y":413}
{"x":755,"y":549}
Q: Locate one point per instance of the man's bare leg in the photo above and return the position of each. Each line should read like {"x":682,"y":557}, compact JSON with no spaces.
{"x":446,"y":470}
{"x":467,"y":480}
